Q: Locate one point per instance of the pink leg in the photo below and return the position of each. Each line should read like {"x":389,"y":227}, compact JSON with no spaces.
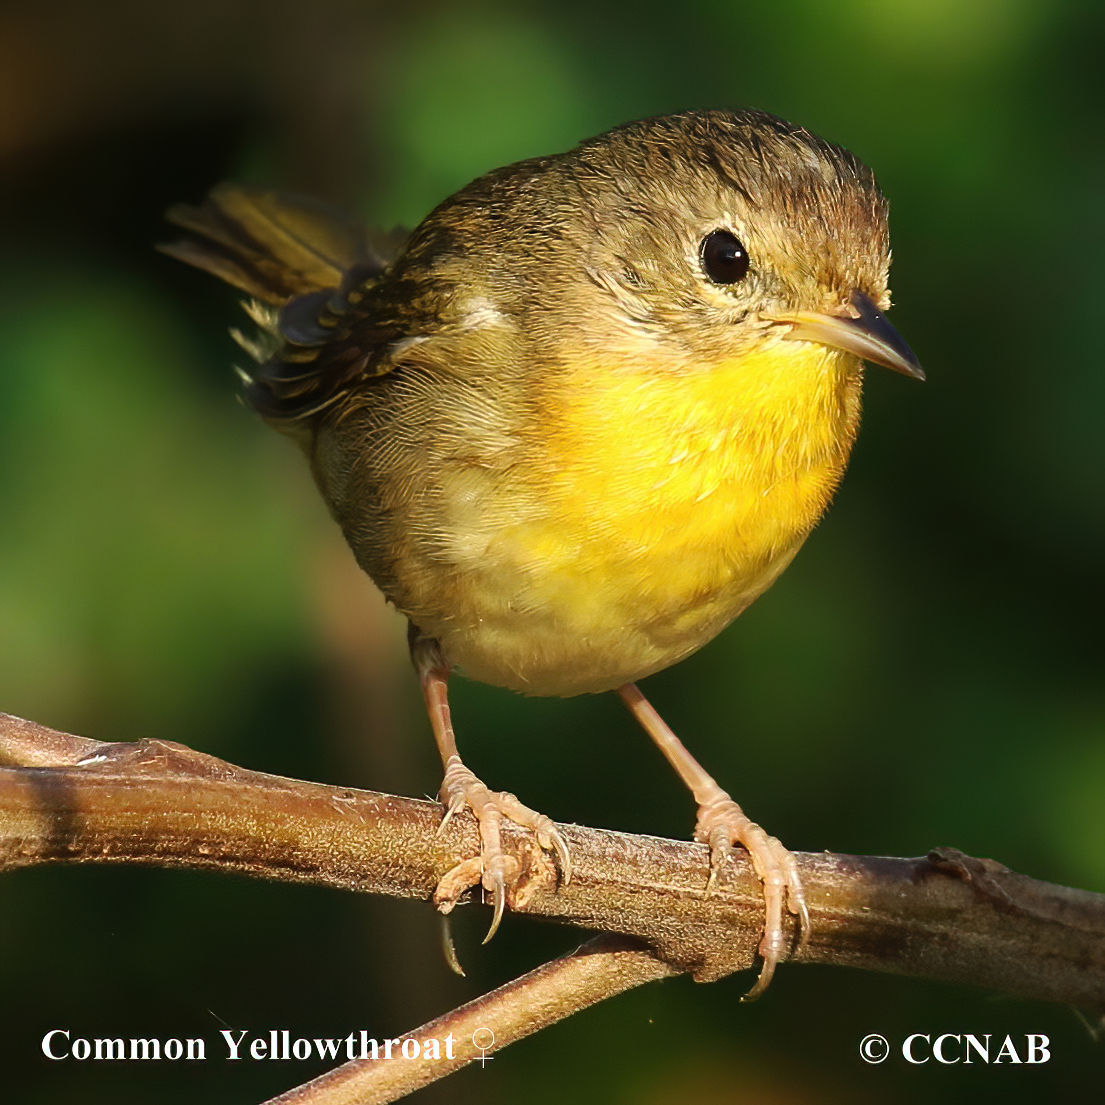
{"x":460,"y":788}
{"x":722,"y":824}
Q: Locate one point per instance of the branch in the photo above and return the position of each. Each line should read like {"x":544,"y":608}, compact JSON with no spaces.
{"x":947,"y":917}
{"x":600,"y":969}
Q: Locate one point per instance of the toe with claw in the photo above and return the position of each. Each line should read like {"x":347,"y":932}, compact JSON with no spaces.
{"x":722,"y":825}
{"x":492,"y":868}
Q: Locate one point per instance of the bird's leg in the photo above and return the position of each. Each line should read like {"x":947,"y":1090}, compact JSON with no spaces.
{"x":460,"y":788}
{"x":721,"y":824}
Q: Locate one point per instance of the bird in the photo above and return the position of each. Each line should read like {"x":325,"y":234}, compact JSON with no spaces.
{"x":579,"y":419}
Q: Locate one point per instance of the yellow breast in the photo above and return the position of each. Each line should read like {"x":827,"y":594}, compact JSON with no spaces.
{"x":657,"y":506}
{"x":733,"y":462}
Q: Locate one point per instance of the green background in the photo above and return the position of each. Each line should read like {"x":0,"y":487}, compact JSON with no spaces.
{"x":927,"y":672}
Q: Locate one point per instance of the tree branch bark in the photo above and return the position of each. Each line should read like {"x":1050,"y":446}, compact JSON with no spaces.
{"x":946,"y":916}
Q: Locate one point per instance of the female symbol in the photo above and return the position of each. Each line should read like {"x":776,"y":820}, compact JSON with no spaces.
{"x":483,"y":1039}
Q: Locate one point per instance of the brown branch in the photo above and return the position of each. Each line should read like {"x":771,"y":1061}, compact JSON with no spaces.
{"x":947,"y":916}
{"x":600,"y":969}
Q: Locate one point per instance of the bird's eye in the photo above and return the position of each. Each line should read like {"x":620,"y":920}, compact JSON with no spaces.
{"x":724,"y":259}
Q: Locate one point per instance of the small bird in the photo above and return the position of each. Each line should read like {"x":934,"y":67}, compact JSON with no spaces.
{"x":580,"y":418}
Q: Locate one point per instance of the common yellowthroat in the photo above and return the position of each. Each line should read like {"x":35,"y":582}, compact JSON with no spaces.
{"x":581,"y":417}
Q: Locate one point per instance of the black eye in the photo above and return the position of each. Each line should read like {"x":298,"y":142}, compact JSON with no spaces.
{"x":723,"y":257}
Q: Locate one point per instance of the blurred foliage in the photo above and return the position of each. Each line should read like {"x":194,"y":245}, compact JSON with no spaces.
{"x":927,"y":673}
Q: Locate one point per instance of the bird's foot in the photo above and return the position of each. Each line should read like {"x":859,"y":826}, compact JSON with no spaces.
{"x":492,"y":867}
{"x":721,"y":825}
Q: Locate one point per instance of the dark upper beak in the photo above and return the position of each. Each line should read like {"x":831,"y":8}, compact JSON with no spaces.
{"x":868,"y":335}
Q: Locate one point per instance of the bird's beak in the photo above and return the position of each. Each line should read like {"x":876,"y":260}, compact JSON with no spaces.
{"x":868,"y":335}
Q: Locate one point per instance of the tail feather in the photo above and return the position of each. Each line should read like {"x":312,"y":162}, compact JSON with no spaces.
{"x":305,"y":266}
{"x":275,"y":245}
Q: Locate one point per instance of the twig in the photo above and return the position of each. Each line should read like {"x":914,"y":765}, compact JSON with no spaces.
{"x":600,"y":969}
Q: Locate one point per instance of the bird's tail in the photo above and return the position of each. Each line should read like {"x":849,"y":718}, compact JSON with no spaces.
{"x":275,"y":245}
{"x":303,"y":264}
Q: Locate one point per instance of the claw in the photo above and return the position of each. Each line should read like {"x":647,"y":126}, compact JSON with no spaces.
{"x":767,"y":972}
{"x":453,"y":808}
{"x":563,"y":859}
{"x":498,"y":899}
{"x":803,"y":915}
{"x":543,"y":828}
{"x":449,"y":948}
